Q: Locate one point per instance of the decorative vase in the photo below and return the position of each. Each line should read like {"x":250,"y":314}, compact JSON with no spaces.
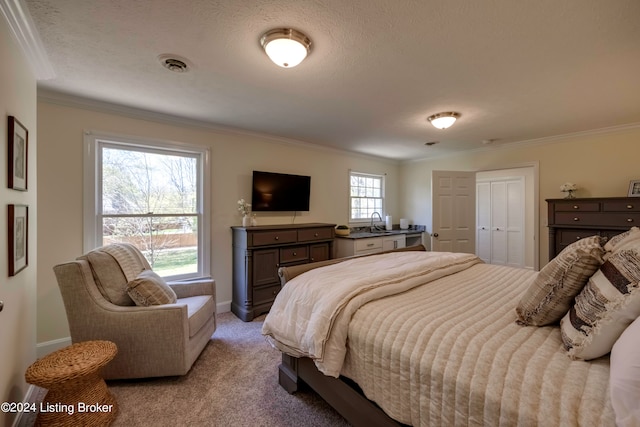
{"x":570,"y":195}
{"x":254,"y":220}
{"x":246,"y":221}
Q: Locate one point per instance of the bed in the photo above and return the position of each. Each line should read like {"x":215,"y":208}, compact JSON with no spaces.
{"x":431,"y":339}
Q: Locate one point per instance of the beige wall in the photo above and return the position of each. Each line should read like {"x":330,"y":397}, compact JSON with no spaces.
{"x":600,"y":163}
{"x":234,"y":157}
{"x":18,"y":319}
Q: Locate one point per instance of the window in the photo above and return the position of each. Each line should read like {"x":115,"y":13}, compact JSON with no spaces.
{"x":152,"y":195}
{"x":366,"y":196}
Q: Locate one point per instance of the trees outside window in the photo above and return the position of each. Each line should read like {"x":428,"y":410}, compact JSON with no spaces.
{"x":151,"y":196}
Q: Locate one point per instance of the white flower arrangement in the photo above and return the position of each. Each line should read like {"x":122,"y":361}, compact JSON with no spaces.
{"x":568,"y":187}
{"x":243,"y":207}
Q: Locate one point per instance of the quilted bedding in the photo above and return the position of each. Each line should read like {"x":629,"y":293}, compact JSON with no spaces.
{"x":449,"y":353}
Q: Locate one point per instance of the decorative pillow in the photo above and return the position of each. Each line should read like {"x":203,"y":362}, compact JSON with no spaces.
{"x":632,"y":233}
{"x":150,"y":289}
{"x":550,"y":295}
{"x":604,"y":308}
{"x":624,"y":377}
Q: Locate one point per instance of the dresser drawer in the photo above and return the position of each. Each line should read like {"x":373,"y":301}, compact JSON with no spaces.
{"x":577,"y":206}
{"x":294,"y":254}
{"x":274,"y":237}
{"x":265,"y":295}
{"x":612,"y":219}
{"x":567,"y":237}
{"x":311,"y":234}
{"x":621,"y":206}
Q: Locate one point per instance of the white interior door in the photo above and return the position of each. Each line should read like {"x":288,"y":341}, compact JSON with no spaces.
{"x":453,"y":204}
{"x":483,"y":221}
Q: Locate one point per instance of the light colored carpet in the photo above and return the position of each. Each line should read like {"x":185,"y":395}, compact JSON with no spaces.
{"x":234,"y":382}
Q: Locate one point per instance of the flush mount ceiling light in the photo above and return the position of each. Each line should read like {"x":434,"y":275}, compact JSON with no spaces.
{"x":286,"y":47}
{"x":443,"y":120}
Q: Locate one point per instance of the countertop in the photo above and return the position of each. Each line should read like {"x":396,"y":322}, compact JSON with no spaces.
{"x":416,"y":229}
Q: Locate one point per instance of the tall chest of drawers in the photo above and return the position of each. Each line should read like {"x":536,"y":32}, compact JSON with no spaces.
{"x":258,"y":253}
{"x":573,"y":219}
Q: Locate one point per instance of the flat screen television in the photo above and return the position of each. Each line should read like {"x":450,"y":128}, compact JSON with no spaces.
{"x":280,"y":192}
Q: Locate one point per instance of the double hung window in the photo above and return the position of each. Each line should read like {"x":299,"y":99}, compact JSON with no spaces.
{"x":366,"y":196}
{"x":152,"y":195}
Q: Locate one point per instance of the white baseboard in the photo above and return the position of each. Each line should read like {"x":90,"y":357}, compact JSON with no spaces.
{"x":25,"y":419}
{"x":223,"y":307}
{"x":44,"y":348}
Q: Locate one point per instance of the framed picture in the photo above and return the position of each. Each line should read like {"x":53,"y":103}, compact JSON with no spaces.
{"x":17,"y":154}
{"x":634,"y":188}
{"x":18,"y":238}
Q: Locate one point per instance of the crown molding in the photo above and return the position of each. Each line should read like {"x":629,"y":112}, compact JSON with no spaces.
{"x":74,"y":101}
{"x":26,"y":35}
{"x":555,"y":139}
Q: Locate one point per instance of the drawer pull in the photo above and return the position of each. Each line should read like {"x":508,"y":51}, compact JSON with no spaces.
{"x":370,"y":244}
{"x":576,"y":207}
{"x":275,"y":292}
{"x":315,"y":235}
{"x":629,"y":219}
{"x":277,"y":237}
{"x":629,"y":206}
{"x":295,"y":254}
{"x":576,"y":219}
{"x":578,"y":238}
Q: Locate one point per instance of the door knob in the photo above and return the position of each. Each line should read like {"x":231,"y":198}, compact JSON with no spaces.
{"x":435,"y":234}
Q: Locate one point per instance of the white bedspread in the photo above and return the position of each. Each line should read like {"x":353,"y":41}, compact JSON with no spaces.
{"x":310,"y":317}
{"x":451,"y":354}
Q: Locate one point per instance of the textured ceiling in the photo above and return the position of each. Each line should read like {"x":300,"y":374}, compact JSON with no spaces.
{"x":514,"y":70}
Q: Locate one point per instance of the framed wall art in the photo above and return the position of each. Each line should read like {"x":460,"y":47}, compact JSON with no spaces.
{"x":17,"y":155}
{"x":18,"y":233}
{"x":634,"y":188}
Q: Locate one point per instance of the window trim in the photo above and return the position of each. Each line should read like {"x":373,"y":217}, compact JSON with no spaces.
{"x":92,"y":142}
{"x":381,"y":176}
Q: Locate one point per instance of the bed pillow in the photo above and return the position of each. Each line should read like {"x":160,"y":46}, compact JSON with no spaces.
{"x":632,"y":233}
{"x":624,"y":377}
{"x":150,"y":289}
{"x":551,"y":294}
{"x":604,"y":308}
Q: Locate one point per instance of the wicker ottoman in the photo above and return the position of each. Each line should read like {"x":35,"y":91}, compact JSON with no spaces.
{"x":77,"y":395}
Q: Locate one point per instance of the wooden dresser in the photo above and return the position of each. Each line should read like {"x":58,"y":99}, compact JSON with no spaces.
{"x":259,"y":251}
{"x":573,"y":219}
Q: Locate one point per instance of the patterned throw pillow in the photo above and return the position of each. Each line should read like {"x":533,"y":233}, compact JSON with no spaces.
{"x":150,"y":289}
{"x":550,"y":295}
{"x":604,"y":308}
{"x":633,"y":233}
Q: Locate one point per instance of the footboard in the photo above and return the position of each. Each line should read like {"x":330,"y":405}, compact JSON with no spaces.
{"x":342,"y":394}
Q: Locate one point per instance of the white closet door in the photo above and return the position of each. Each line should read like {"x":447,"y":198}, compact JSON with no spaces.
{"x":500,"y":221}
{"x":483,"y":221}
{"x":515,"y":222}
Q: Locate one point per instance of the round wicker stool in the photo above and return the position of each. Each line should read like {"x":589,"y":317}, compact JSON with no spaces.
{"x":77,"y":395}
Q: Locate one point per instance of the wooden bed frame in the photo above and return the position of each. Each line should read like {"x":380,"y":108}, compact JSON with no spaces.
{"x":341,"y":394}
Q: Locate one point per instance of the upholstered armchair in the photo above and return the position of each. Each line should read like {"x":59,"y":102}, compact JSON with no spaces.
{"x":153,"y":340}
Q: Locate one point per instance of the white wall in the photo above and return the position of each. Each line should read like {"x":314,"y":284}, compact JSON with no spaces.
{"x":18,"y":319}
{"x":600,"y":163}
{"x":234,"y":157}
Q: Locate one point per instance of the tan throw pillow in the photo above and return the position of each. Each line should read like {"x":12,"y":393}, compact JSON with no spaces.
{"x":150,"y":289}
{"x":604,"y":308}
{"x":550,"y":295}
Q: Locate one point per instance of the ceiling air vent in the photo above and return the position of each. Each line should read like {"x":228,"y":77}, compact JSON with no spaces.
{"x":174,"y":63}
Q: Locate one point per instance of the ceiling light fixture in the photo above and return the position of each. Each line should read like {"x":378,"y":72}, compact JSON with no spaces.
{"x":443,"y":120}
{"x":286,"y":47}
